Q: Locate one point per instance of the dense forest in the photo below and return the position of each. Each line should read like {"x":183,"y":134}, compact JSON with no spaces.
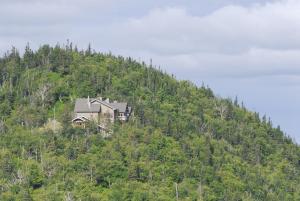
{"x":182,"y":142}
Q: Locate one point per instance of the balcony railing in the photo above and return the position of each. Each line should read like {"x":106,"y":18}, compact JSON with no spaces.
{"x":122,"y":118}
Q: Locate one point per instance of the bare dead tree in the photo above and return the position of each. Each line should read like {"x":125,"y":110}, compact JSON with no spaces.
{"x":69,"y":197}
{"x":43,"y":92}
{"x":222,"y":109}
{"x":2,"y":126}
{"x":176,"y":190}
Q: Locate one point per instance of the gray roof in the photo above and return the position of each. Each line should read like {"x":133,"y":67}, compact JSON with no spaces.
{"x":82,"y":105}
{"x":119,"y":106}
{"x":104,"y":103}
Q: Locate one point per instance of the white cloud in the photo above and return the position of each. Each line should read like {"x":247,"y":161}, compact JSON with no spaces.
{"x":232,"y":41}
{"x":253,"y":63}
{"x":228,"y":30}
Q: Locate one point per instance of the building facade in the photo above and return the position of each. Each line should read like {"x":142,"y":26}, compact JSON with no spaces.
{"x":100,"y":110}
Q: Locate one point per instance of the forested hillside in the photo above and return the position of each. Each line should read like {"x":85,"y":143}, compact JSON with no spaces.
{"x":182,"y":143}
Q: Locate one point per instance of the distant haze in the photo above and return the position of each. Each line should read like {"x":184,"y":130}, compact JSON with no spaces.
{"x":244,"y":48}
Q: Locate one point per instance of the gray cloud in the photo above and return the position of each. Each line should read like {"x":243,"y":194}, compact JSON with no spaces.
{"x":231,"y":29}
{"x":233,"y":41}
{"x":261,"y":39}
{"x":254,"y":63}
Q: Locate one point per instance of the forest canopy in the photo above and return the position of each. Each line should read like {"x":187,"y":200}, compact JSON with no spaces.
{"x":182,"y":142}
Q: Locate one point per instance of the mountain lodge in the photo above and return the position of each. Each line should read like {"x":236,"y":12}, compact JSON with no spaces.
{"x":101,"y":111}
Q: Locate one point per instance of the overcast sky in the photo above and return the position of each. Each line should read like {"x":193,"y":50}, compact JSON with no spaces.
{"x":244,"y":48}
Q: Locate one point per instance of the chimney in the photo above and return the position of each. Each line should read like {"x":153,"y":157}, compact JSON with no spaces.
{"x":89,"y":102}
{"x":100,"y":98}
{"x":107,"y":100}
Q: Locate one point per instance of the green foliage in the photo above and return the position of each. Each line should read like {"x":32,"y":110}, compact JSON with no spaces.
{"x":179,"y":135}
{"x":35,"y":176}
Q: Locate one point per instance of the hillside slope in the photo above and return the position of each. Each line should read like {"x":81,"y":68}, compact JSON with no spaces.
{"x":182,"y":143}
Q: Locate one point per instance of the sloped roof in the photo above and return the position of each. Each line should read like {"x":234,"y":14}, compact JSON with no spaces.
{"x":103,"y":103}
{"x":90,"y":105}
{"x":83,"y":105}
{"x":119,"y":106}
